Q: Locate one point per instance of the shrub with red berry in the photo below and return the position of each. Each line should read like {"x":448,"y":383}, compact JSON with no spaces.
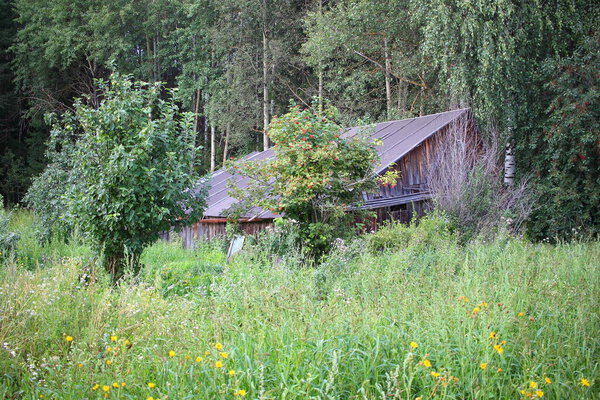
{"x":315,"y":175}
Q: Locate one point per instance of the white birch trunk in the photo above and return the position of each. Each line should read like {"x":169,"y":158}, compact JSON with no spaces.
{"x":509,"y":165}
{"x":213,"y":148}
{"x":388,"y":80}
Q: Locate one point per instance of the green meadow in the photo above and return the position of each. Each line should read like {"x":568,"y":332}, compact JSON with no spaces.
{"x":428,"y":319}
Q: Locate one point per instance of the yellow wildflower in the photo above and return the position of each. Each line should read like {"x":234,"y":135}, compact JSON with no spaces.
{"x":219,"y":346}
{"x":463,"y":298}
{"x":171,"y":353}
{"x":500,"y":370}
{"x":206,"y":353}
{"x":484,"y":304}
{"x":108,"y":349}
{"x":149,"y":398}
{"x":218,"y":364}
{"x":483,"y":365}
{"x":123,"y":384}
{"x":126,"y":342}
{"x":435,"y":374}
{"x":584,"y":382}
{"x":106,"y":395}
{"x":476,"y":310}
{"x":116,"y":385}
{"x":198,"y":359}
{"x":503,"y":342}
{"x":231,"y":372}
{"x":548,"y":380}
{"x":493,"y":335}
{"x":80,"y":365}
{"x":69,"y":338}
{"x":533,"y":384}
{"x":95,"y":387}
{"x":224,"y":355}
{"x":113,"y":338}
{"x":414,"y":345}
{"x":427,"y":363}
{"x":499,"y":349}
{"x":151,"y":385}
{"x":539,"y":393}
{"x":241,"y":392}
{"x":108,"y":362}
{"x":520,"y":314}
{"x":105,"y":388}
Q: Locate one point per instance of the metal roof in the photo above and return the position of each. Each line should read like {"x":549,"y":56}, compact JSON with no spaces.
{"x":399,"y":138}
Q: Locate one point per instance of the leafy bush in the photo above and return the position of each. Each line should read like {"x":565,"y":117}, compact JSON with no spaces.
{"x":430,"y":231}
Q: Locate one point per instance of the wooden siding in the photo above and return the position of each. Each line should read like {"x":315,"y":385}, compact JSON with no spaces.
{"x":215,"y":227}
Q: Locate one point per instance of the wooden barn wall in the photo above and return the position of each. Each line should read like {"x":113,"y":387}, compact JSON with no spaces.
{"x":209,"y":230}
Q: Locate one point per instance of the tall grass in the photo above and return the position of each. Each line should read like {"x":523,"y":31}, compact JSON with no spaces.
{"x":342,"y":330}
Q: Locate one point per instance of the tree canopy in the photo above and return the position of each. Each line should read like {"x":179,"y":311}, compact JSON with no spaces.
{"x":238,"y":63}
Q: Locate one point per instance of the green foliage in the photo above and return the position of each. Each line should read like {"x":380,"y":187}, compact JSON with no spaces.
{"x":340,"y":330}
{"x":129,"y":169}
{"x":31,"y":253}
{"x":349,"y":44}
{"x":283,"y":244}
{"x":570,"y":195}
{"x":175,"y":271}
{"x":46,"y":195}
{"x":314,"y":175}
{"x":426,"y":233}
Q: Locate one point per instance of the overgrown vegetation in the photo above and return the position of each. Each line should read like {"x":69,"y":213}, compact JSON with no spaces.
{"x":8,"y":239}
{"x":434,"y":319}
{"x":465,"y":180}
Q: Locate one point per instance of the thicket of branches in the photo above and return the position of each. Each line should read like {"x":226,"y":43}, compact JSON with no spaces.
{"x":465,"y":179}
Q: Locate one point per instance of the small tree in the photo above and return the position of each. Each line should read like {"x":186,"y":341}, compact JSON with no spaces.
{"x":130,"y":169}
{"x":313,"y":178}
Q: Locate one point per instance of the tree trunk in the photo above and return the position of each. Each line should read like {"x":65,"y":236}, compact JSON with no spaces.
{"x":226,"y":146}
{"x":388,"y":79}
{"x":265,"y":79}
{"x":422,"y":96}
{"x":118,"y":263}
{"x":213,"y":147}
{"x":196,"y":111}
{"x":320,"y":68}
{"x":402,"y":91}
{"x":509,"y":165}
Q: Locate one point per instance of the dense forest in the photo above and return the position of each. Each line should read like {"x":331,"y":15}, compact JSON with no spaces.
{"x":528,"y":69}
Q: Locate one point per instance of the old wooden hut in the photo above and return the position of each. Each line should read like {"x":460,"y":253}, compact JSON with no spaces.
{"x":408,"y":145}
